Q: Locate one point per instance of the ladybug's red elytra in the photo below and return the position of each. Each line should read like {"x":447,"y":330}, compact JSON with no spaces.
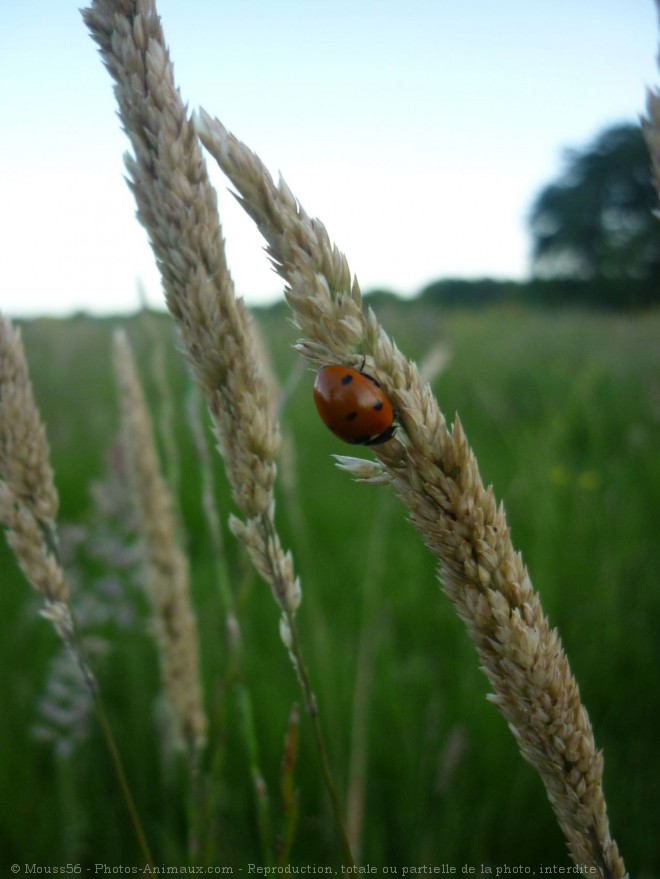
{"x":353,"y":405}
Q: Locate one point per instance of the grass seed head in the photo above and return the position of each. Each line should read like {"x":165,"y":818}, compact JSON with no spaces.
{"x":28,"y":498}
{"x":434,"y":471}
{"x":178,"y":207}
{"x":167,"y":569}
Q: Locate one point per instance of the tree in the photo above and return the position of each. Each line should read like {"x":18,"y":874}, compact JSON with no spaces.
{"x":596,"y":220}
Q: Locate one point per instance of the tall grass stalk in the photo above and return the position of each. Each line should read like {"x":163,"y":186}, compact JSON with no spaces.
{"x":166,"y":408}
{"x":435,"y":474}
{"x":28,"y":510}
{"x":167,"y":575}
{"x":364,"y":675}
{"x":178,"y":207}
{"x":28,"y":498}
{"x":288,"y":790}
{"x":234,"y":675}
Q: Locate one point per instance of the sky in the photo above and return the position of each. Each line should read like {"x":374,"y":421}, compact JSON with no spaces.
{"x":419,"y":132}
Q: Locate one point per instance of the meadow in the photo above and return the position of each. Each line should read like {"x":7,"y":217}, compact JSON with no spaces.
{"x":562,"y":408}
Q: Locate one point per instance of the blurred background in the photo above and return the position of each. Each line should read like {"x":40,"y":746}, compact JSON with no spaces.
{"x":483,"y":169}
{"x":419,"y":133}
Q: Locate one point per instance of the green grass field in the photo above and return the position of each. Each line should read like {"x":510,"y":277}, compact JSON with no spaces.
{"x":563,"y":412}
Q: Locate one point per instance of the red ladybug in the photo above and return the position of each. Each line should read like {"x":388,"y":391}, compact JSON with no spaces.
{"x":353,"y":405}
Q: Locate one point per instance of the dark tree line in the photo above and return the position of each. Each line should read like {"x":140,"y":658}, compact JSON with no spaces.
{"x":596,"y":221}
{"x":595,"y":234}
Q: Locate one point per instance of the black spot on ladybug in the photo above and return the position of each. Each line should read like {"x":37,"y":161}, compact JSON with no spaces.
{"x":378,"y":406}
{"x":351,"y":416}
{"x":347,"y":379}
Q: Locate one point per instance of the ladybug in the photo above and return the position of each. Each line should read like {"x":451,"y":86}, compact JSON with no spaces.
{"x":353,"y":405}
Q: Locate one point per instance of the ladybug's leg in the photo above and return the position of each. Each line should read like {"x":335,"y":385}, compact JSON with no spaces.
{"x":383,"y":438}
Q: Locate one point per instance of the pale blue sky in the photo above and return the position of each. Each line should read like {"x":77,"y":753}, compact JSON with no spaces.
{"x":419,"y":132}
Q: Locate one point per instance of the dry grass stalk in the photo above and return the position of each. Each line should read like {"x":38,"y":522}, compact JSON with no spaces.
{"x":365,"y":675}
{"x":178,"y":207}
{"x":28,"y":509}
{"x":28,"y":497}
{"x":435,"y":474}
{"x":167,"y":569}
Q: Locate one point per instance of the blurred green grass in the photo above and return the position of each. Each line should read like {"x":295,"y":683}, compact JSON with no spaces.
{"x":563,"y":411}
